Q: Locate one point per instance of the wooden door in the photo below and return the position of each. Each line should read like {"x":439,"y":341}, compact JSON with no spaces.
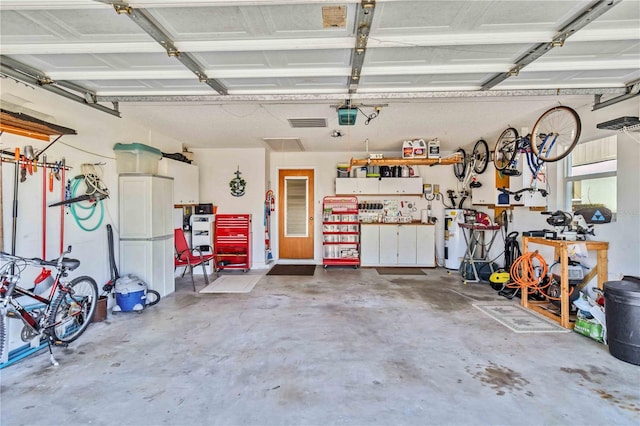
{"x":295,"y":214}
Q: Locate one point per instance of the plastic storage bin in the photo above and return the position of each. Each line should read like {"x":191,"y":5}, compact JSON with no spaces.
{"x":136,"y":158}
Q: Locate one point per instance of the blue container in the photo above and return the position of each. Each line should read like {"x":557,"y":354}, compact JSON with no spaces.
{"x":131,"y":301}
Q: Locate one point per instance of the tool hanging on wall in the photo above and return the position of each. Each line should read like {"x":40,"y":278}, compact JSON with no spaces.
{"x":269,"y":206}
{"x":95,"y":192}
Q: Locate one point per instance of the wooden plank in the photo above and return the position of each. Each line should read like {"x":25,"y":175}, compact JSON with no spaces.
{"x":406,"y":161}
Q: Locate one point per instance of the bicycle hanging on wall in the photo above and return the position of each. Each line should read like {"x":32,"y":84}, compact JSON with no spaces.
{"x":467,"y":171}
{"x":555,"y":135}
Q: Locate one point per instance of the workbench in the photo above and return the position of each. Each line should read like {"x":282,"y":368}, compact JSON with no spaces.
{"x":561,"y":251}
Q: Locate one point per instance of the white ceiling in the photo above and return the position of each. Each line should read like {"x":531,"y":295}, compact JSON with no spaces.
{"x":426,"y":61}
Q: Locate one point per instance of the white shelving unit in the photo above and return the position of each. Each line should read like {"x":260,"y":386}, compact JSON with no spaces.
{"x":202,"y":237}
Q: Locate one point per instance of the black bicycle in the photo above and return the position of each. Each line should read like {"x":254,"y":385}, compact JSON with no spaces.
{"x":61,"y":317}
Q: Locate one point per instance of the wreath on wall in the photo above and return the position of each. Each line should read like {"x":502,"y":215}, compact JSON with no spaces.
{"x":237,"y":184}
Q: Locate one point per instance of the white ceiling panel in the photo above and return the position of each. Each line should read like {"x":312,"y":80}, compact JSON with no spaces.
{"x":248,"y":22}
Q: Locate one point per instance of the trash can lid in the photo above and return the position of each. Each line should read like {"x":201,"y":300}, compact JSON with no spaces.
{"x":625,"y":288}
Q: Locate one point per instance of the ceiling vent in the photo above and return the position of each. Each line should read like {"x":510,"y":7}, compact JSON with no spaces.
{"x":297,"y":123}
{"x":284,"y":144}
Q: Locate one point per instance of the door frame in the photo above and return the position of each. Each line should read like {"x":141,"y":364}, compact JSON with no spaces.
{"x":276,"y":231}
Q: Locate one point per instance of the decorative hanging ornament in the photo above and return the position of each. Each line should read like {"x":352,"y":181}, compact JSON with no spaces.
{"x":237,"y":184}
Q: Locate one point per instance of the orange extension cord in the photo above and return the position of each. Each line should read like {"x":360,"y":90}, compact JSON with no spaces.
{"x":528,"y":272}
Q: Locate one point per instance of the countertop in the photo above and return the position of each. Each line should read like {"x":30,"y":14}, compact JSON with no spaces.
{"x":414,"y":222}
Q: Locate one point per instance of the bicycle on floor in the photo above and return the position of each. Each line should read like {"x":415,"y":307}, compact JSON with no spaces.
{"x":556,"y":134}
{"x":57,"y":319}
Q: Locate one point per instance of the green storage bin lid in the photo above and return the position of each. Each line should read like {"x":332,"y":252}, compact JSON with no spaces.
{"x":137,"y":147}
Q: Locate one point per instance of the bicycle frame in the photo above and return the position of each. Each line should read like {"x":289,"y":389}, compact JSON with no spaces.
{"x":26,"y":317}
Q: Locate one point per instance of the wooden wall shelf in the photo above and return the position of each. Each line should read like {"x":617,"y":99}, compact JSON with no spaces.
{"x":446,"y":161}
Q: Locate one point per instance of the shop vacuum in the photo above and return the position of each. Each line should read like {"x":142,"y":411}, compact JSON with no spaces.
{"x":132,"y":294}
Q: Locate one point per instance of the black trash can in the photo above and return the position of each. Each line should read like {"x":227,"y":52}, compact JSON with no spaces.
{"x":622,"y":310}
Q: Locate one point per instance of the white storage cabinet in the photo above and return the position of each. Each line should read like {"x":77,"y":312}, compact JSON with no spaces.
{"x":146,"y":230}
{"x":202,"y":237}
{"x":186,"y":180}
{"x":379,"y":186}
{"x":398,"y":245}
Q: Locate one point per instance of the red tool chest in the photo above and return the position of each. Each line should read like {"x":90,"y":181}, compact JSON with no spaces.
{"x":232,"y":241}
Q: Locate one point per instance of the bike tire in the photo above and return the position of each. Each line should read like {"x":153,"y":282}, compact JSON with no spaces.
{"x":64,"y":323}
{"x":154,"y":299}
{"x":481,"y":154}
{"x":460,"y":169}
{"x":506,"y":148}
{"x":3,"y":337}
{"x":563,"y":125}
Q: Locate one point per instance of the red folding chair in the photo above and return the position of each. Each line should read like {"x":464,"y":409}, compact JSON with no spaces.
{"x":188,"y":257}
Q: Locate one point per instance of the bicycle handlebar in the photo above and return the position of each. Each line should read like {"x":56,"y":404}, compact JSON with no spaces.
{"x":56,"y":263}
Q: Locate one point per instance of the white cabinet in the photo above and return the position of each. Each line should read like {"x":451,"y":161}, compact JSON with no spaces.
{"x":369,"y":245}
{"x":140,"y":198}
{"x":397,"y":245}
{"x":186,"y":179}
{"x":425,"y":245}
{"x":151,"y":261}
{"x":379,"y":186}
{"x":202,"y":237}
{"x":146,"y":230}
{"x":400,"y":186}
{"x":355,"y":186}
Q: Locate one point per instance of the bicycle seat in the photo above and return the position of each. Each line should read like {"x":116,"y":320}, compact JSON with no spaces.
{"x":70,"y":264}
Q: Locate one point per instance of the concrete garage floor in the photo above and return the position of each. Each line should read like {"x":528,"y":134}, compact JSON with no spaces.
{"x":341,"y":347}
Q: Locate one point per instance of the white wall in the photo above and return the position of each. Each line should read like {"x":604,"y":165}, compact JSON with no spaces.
{"x":217,"y":168}
{"x":97,"y":132}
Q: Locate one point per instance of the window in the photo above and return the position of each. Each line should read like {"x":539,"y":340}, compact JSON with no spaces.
{"x":591,"y":175}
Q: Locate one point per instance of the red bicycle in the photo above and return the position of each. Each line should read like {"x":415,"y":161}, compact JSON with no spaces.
{"x":58,"y":319}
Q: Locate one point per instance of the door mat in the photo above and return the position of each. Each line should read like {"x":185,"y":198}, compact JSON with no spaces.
{"x":519,"y":319}
{"x":400,"y":271}
{"x":232,"y":284}
{"x":292,"y":270}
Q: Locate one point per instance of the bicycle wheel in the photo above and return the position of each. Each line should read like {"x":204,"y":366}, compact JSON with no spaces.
{"x":3,"y":337}
{"x":506,"y":148}
{"x":460,"y":169}
{"x":481,"y":155}
{"x":72,"y":310}
{"x":555,"y":134}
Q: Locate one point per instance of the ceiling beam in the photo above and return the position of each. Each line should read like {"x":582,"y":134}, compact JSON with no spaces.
{"x":331,"y":97}
{"x":576,"y":23}
{"x":148,"y":24}
{"x":21,"y":72}
{"x":364,"y":17}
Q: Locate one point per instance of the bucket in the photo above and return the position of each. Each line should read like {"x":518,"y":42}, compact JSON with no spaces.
{"x":100,"y":314}
{"x":622,"y":310}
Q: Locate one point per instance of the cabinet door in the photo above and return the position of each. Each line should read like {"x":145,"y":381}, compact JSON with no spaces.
{"x":145,"y":206}
{"x":369,"y":245}
{"x":401,"y":186}
{"x":186,"y":178}
{"x":407,"y":249}
{"x":425,"y":244}
{"x":368,"y":185}
{"x":346,"y":186}
{"x":388,"y":245}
